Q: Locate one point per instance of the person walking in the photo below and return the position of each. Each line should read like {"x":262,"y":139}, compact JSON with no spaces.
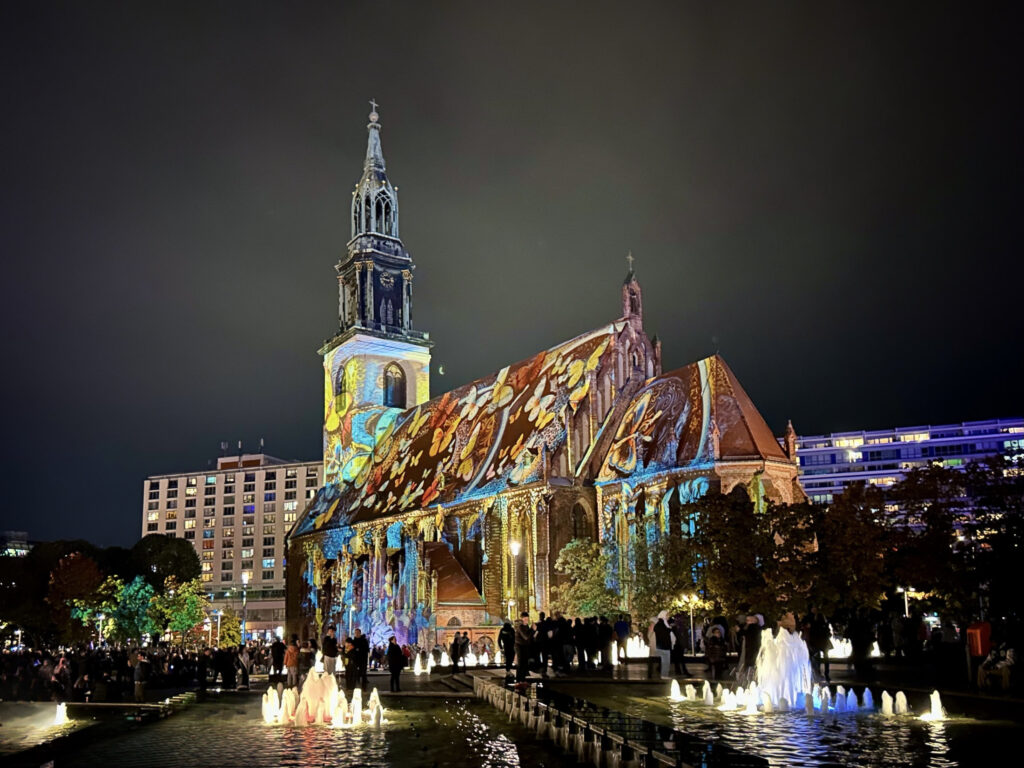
{"x":396,"y":660}
{"x":330,"y":652}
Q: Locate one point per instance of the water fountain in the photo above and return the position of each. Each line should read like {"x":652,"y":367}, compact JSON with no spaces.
{"x":900,"y":705}
{"x":675,"y":694}
{"x":417,"y":667}
{"x":320,"y":703}
{"x":936,"y":713}
{"x":61,"y":716}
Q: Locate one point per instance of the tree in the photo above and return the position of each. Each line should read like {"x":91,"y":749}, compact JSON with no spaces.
{"x":230,"y":629}
{"x":96,"y":609}
{"x":181,"y":605}
{"x":585,"y":593}
{"x":665,"y":571}
{"x":75,"y":577}
{"x":158,"y":558}
{"x":849,"y":567}
{"x":131,"y":616}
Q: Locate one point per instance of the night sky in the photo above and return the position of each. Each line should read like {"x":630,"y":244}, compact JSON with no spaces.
{"x":827,"y":193}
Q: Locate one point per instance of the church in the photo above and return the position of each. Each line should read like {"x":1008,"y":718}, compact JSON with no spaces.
{"x":448,"y":512}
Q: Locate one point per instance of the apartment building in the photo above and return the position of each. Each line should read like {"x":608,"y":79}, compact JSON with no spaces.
{"x":237,"y":518}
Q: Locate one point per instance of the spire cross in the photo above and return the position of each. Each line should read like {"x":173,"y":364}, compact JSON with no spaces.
{"x":373,"y":105}
{"x":629,"y":258}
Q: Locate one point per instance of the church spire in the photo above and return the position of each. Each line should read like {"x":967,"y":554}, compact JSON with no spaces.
{"x":632,"y":298}
{"x":374,"y":201}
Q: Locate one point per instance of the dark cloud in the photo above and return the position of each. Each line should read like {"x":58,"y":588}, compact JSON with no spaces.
{"x":830,"y":190}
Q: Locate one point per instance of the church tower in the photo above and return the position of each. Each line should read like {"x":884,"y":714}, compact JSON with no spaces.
{"x":376,"y":365}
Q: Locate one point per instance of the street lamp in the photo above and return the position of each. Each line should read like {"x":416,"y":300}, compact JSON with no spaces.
{"x":351,"y":612}
{"x":245,"y":607}
{"x":906,"y":601}
{"x":99,"y":626}
{"x":514,"y":547}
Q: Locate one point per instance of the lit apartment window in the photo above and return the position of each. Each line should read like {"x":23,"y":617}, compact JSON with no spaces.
{"x":247,"y":525}
{"x":153,"y":516}
{"x":290,"y":517}
{"x":311,"y":472}
{"x":211,"y":479}
{"x":311,"y":493}
{"x":291,"y":506}
{"x":269,"y":530}
{"x":208,"y":534}
{"x":249,"y":498}
{"x":228,"y":532}
{"x":208,"y":544}
{"x":209,"y":512}
{"x":269,"y":518}
{"x":172,"y":514}
{"x":246,"y":553}
{"x":247,"y":574}
{"x":914,"y":438}
{"x":268,"y":562}
{"x":206,"y":576}
{"x":190,"y":524}
{"x":208,"y":555}
{"x":190,"y":491}
{"x":270,"y":496}
{"x":227,"y":554}
{"x":289,"y":473}
{"x":207,"y":567}
{"x":209,"y":522}
{"x":193,"y":481}
{"x":269,"y":507}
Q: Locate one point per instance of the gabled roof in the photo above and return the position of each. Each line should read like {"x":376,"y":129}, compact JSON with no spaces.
{"x":671,"y":422}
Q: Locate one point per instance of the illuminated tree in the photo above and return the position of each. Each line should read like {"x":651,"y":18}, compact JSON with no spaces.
{"x":131,"y":616}
{"x":585,"y":593}
{"x":230,"y":629}
{"x":75,"y":577}
{"x":665,"y":571}
{"x":181,"y":606}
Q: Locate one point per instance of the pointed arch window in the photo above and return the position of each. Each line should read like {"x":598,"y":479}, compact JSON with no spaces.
{"x":394,"y":386}
{"x":383,"y":213}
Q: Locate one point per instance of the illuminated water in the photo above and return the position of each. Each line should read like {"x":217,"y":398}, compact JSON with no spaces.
{"x":428,"y":732}
{"x":791,"y":738}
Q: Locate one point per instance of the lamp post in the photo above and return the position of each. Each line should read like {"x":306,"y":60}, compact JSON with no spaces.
{"x":245,"y":607}
{"x":99,"y":626}
{"x":351,"y":611}
{"x":514,"y":547}
{"x":906,"y":601}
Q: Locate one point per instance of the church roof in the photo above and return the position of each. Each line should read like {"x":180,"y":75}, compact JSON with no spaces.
{"x":672,"y":422}
{"x":493,"y":433}
{"x":478,"y":440}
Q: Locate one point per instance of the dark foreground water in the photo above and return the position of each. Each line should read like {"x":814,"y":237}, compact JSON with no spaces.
{"x":230,"y":732}
{"x":860,"y":739}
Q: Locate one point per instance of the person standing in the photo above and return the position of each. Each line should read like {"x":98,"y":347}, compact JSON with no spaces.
{"x":524,"y":640}
{"x":330,"y":652}
{"x":351,"y":666}
{"x":291,"y":662}
{"x":507,"y":643}
{"x":714,"y":651}
{"x":663,"y":643}
{"x":277,"y":650}
{"x":140,"y":677}
{"x":396,"y":660}
{"x":453,"y":652}
{"x":362,"y":648}
{"x":621,"y":635}
{"x":819,"y":641}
